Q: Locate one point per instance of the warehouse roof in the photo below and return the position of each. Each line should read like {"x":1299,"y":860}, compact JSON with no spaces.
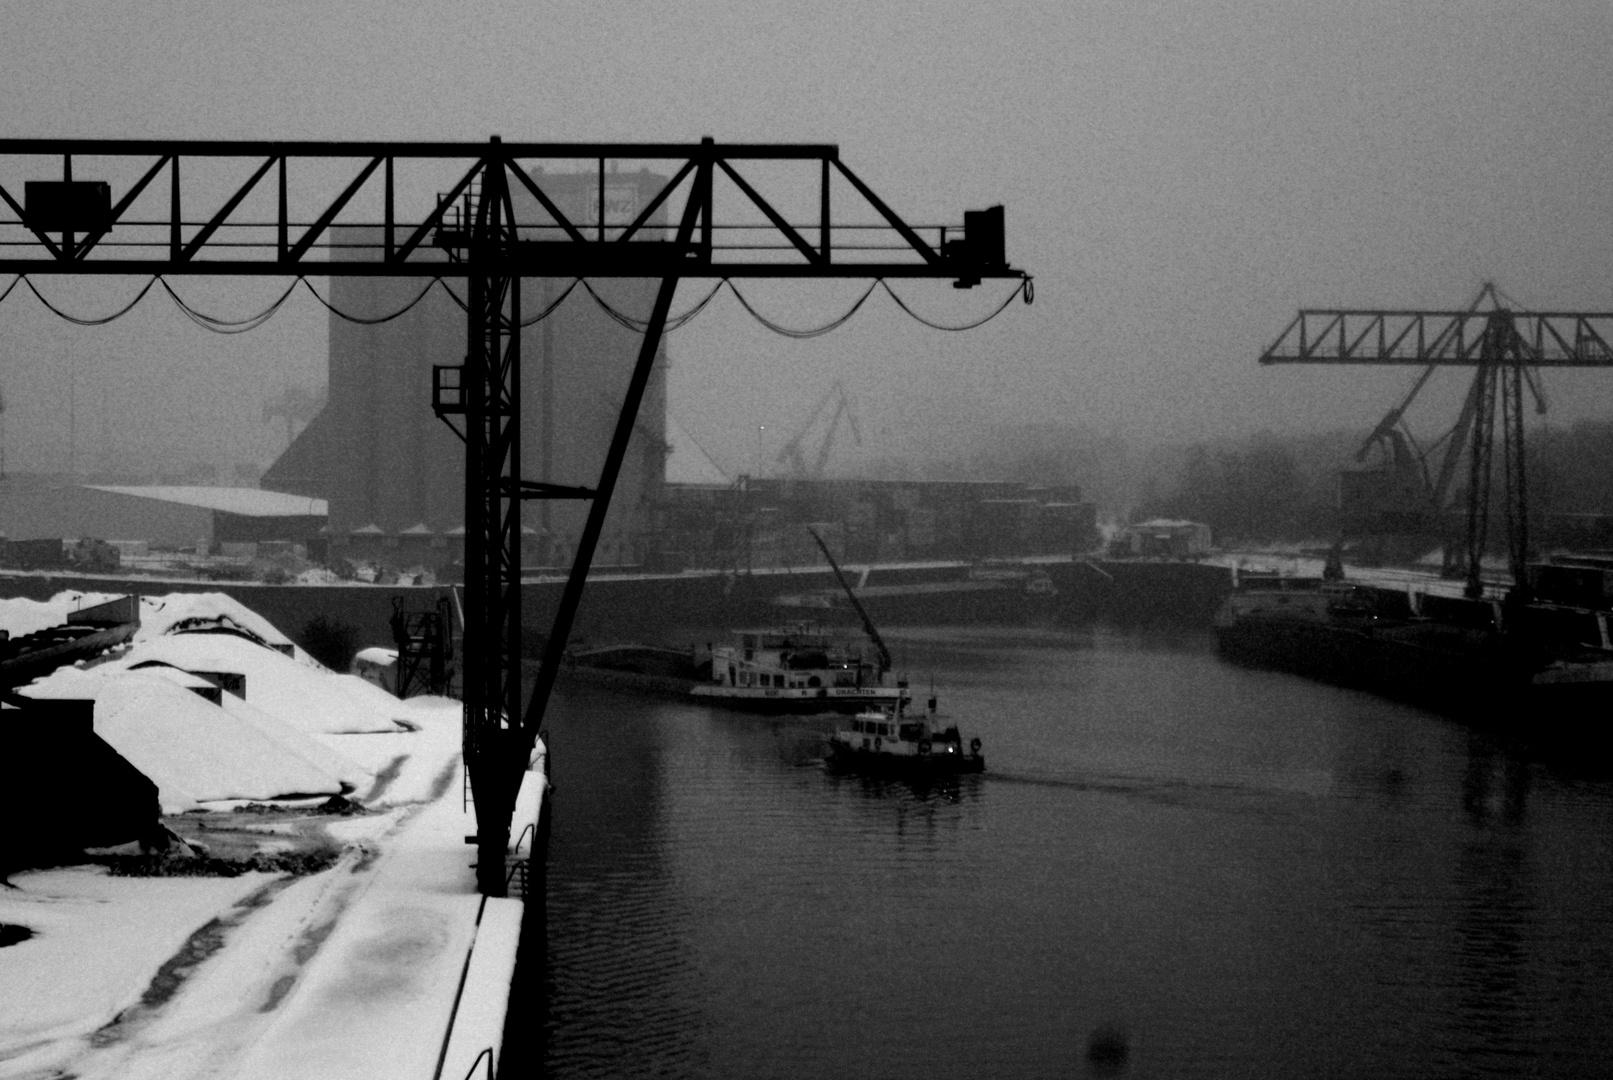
{"x":248,"y":502}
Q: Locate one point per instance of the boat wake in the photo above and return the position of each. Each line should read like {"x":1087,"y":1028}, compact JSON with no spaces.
{"x":1228,"y":795}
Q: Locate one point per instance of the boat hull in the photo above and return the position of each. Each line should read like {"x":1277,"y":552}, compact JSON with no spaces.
{"x":826,"y":699}
{"x":1471,"y":674}
{"x":1395,"y":667}
{"x":769,"y":701}
{"x":883,"y":763}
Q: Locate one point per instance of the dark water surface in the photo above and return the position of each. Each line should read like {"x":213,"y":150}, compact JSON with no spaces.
{"x":1243,"y":873}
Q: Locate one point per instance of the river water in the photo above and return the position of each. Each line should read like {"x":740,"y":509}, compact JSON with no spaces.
{"x":1201,"y":869}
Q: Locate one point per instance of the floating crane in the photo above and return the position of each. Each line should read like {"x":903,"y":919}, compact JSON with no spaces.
{"x":791,"y":455}
{"x":1505,"y":347}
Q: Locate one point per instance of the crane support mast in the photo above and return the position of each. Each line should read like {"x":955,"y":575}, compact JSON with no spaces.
{"x":1511,"y":376}
{"x":1502,"y":345}
{"x":491,"y":383}
{"x":181,"y":208}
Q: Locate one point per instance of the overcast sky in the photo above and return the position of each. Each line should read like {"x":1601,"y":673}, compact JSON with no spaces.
{"x":1179,"y":176}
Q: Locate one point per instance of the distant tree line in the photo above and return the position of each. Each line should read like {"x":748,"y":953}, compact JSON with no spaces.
{"x":1276,"y":488}
{"x":1571,"y":469}
{"x":1256,"y":490}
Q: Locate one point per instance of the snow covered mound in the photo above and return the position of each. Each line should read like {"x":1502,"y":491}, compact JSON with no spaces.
{"x":22,"y":616}
{"x":159,"y":615}
{"x":310,"y":699}
{"x":193,"y":750}
{"x":298,"y":742}
{"x":303,"y":745}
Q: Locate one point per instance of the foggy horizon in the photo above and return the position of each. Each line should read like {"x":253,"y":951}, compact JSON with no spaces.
{"x":1178,"y":178}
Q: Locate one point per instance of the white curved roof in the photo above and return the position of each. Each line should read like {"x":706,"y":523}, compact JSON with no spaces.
{"x":248,"y":502}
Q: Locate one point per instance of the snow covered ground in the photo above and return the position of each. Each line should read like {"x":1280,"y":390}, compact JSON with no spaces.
{"x":354,"y":971}
{"x":193,"y":750}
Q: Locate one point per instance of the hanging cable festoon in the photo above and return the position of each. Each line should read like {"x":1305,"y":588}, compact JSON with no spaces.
{"x":236,"y":326}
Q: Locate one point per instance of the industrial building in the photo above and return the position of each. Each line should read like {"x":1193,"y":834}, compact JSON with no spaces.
{"x":36,"y":506}
{"x":761,"y":522}
{"x":393,"y":472}
{"x":1163,"y":538}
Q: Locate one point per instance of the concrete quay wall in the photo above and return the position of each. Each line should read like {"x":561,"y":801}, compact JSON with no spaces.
{"x":645,"y":607}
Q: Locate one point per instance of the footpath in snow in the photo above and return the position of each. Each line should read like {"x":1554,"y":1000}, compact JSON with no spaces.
{"x":364,"y":968}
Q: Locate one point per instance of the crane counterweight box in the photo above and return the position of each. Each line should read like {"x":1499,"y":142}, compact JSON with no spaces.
{"x":980,"y":249}
{"x":983,"y":233}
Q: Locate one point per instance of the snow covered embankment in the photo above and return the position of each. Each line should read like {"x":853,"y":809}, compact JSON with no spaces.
{"x":354,"y":971}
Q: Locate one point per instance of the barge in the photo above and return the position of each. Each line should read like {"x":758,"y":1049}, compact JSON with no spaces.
{"x":791,"y":669}
{"x":1541,"y":665}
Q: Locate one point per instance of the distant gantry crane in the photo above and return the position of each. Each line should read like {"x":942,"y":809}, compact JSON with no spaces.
{"x":296,"y":404}
{"x":225,"y":208}
{"x":1504,"y":347}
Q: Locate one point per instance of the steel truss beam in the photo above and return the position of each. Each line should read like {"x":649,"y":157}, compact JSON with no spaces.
{"x":398,"y":188}
{"x":78,"y":228}
{"x":1547,"y":339}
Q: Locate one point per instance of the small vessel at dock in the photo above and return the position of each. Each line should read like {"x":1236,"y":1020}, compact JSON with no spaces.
{"x":890,"y":739}
{"x":800,"y":668}
{"x":795,"y":668}
{"x":789,"y":669}
{"x":785,"y":667}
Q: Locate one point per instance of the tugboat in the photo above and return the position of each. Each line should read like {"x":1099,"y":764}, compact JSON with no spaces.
{"x":889,"y":739}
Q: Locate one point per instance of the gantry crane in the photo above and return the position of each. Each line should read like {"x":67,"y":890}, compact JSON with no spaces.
{"x":1504,"y":347}
{"x":69,"y":225}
